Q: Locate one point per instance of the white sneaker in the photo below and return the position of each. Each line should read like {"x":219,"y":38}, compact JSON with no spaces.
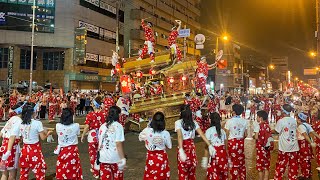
{"x":179,"y":62}
{"x":139,"y":59}
{"x":318,"y":168}
{"x":152,"y":61}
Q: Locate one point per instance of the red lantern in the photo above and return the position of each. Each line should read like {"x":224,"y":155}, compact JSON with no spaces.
{"x":125,"y":81}
{"x":152,"y":72}
{"x":118,"y":67}
{"x":139,"y":74}
{"x":170,"y":80}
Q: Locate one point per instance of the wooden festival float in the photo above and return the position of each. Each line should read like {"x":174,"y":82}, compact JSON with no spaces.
{"x":174,"y":80}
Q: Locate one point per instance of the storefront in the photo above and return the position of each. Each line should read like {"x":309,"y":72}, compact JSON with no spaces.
{"x":87,"y":82}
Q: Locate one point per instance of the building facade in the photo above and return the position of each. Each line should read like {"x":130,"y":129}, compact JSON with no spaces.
{"x":162,"y":14}
{"x":54,"y":56}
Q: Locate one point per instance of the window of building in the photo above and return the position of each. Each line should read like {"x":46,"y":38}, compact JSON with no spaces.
{"x":4,"y":57}
{"x":25,"y":59}
{"x":53,"y":60}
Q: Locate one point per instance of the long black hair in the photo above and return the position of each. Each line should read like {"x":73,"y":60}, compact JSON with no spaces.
{"x":158,"y":123}
{"x":66,"y":117}
{"x":114,"y":115}
{"x":186,"y":116}
{"x":216,"y":122}
{"x":27,"y":113}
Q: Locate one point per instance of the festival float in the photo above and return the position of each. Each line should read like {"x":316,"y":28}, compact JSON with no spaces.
{"x":158,"y":82}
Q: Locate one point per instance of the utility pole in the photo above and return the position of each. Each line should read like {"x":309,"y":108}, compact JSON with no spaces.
{"x":32,"y":44}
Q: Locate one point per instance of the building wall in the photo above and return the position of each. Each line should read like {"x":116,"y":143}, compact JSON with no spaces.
{"x":161,"y":13}
{"x":67,"y":16}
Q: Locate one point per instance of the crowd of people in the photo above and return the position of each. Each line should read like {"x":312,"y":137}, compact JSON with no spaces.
{"x":296,"y":122}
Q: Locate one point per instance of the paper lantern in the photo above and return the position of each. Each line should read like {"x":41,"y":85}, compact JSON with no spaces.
{"x":125,"y":81}
{"x":184,"y":78}
{"x":171,"y":80}
{"x":139,"y":74}
{"x":152,"y":72}
{"x":118,"y":67}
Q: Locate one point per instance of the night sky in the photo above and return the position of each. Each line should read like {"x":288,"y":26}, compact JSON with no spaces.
{"x":266,"y":28}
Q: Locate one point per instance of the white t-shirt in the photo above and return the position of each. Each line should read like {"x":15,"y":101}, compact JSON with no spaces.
{"x":155,"y":140}
{"x":186,"y":134}
{"x":213,"y":137}
{"x":287,"y":129}
{"x":12,"y":125}
{"x":237,"y":127}
{"x":222,"y":104}
{"x":68,"y":134}
{"x":30,"y":132}
{"x":302,"y":129}
{"x":108,"y":137}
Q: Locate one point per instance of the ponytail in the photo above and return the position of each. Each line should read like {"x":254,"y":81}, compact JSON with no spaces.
{"x":27,"y":113}
{"x":114,"y":115}
{"x":186,"y":116}
{"x":216,"y":122}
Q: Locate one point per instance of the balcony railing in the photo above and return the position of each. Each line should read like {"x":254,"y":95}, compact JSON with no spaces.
{"x":163,"y":24}
{"x":140,"y":14}
{"x":182,"y":2}
{"x":194,"y":23}
{"x":193,"y":9}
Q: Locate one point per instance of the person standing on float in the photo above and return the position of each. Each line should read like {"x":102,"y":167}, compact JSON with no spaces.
{"x":149,"y":43}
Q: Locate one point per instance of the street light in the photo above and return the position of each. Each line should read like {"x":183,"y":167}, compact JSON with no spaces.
{"x":312,"y":54}
{"x":224,"y":38}
{"x":271,"y":66}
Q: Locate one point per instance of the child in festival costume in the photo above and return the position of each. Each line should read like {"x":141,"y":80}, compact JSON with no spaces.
{"x":156,"y":140}
{"x":305,"y":144}
{"x":68,"y":162}
{"x":92,"y":124}
{"x":288,"y":144}
{"x":217,"y":166}
{"x":236,"y":130}
{"x":31,"y":157}
{"x":264,"y":144}
{"x":111,"y":158}
{"x":187,"y":159}
{"x":11,"y":158}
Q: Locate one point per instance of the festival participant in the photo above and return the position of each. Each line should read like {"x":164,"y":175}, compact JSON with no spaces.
{"x":73,"y":103}
{"x":2,"y":109}
{"x":277,"y":112}
{"x":217,"y":166}
{"x":11,"y":158}
{"x":108,"y":102}
{"x":156,"y":140}
{"x":253,"y":108}
{"x":31,"y":157}
{"x":148,"y":46}
{"x":111,"y":154}
{"x":196,"y":103}
{"x":156,"y":89}
{"x":187,"y":159}
{"x":288,"y":144}
{"x":52,"y":107}
{"x":58,"y":106}
{"x":222,"y":107}
{"x":172,"y":41}
{"x":68,"y":162}
{"x":13,"y":99}
{"x":316,"y":128}
{"x":212,"y":105}
{"x":305,"y":144}
{"x":124,"y":104}
{"x":236,"y":130}
{"x":264,"y":144}
{"x":92,"y":124}
{"x":202,"y":74}
{"x":228,"y":104}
